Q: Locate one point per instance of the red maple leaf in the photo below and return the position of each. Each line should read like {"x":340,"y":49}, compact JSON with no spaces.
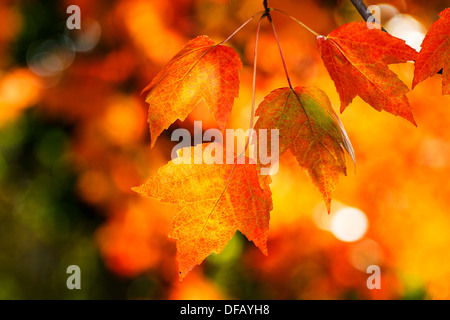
{"x":309,"y":127}
{"x":435,"y":53}
{"x":356,"y":58}
{"x":214,"y":200}
{"x":201,"y":70}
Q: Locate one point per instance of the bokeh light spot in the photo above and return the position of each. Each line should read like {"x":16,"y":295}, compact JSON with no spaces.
{"x":349,"y":224}
{"x":405,"y":27}
{"x":88,"y":37}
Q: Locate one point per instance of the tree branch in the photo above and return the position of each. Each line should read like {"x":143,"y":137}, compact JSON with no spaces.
{"x":267,"y":11}
{"x":362,"y":9}
{"x":364,"y":12}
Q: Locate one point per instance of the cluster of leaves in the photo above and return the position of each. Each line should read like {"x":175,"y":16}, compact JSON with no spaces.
{"x":216,"y":200}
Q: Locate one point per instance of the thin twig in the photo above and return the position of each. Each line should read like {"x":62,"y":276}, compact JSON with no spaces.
{"x":365,"y":13}
{"x":266,"y":8}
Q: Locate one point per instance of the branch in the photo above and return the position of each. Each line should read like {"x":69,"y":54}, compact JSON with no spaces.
{"x":365,"y":13}
{"x":267,"y":11}
{"x":362,"y":9}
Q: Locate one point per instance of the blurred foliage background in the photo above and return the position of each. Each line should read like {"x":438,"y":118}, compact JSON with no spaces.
{"x":74,"y":140}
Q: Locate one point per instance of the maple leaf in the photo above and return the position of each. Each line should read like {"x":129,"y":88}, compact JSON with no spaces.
{"x":435,"y":53}
{"x":309,"y":127}
{"x":356,"y":58}
{"x":201,"y":70}
{"x":214,"y":200}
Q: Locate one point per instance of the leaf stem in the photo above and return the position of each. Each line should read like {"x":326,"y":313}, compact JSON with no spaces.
{"x":252,"y":117}
{"x":243,"y":25}
{"x":298,"y":21}
{"x":281,"y":55}
{"x":255,"y":58}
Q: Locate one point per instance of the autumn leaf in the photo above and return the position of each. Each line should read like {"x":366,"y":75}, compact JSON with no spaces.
{"x":201,"y":70}
{"x":309,"y":127}
{"x":214,"y":200}
{"x":435,"y":53}
{"x":356,"y":58}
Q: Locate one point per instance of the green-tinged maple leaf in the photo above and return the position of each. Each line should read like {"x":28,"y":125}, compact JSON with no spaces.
{"x":201,"y":70}
{"x":357,"y":59}
{"x":435,"y":53}
{"x":214,"y":200}
{"x":309,"y":127}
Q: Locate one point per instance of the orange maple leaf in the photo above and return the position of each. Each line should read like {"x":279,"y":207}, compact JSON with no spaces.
{"x":309,"y":127}
{"x":356,"y":58}
{"x":435,"y":52}
{"x":201,"y":70}
{"x":214,"y":200}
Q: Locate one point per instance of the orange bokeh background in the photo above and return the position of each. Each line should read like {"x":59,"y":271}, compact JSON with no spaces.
{"x":93,"y":85}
